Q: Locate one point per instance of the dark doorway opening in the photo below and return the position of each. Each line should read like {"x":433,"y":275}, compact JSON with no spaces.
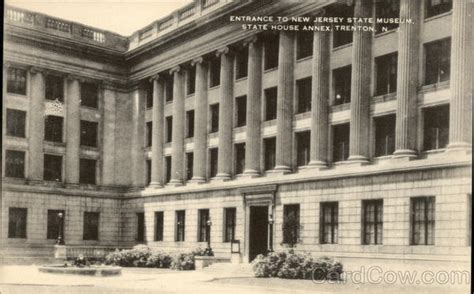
{"x":258,"y":235}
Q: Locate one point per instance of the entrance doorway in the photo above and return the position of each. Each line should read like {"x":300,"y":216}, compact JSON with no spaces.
{"x":258,"y":233}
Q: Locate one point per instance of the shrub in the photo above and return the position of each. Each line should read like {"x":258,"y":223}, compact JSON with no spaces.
{"x":289,"y":265}
{"x":183,"y":261}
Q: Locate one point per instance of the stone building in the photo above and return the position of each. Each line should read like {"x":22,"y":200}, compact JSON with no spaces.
{"x":362,"y":137}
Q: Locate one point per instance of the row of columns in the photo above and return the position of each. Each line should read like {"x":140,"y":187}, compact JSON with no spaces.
{"x":407,"y":76}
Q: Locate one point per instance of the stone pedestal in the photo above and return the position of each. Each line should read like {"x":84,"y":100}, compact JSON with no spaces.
{"x":60,"y":252}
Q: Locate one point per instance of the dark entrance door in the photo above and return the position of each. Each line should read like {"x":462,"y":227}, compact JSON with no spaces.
{"x":258,"y":233}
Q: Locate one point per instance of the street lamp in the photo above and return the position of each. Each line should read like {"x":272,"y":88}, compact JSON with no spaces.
{"x":208,"y":251}
{"x":60,"y":240}
{"x":270,"y":233}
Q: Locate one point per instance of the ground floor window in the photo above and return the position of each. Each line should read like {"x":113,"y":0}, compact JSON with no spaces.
{"x":17,"y":222}
{"x":422,"y":220}
{"x":180,"y":222}
{"x":203,"y":234}
{"x":372,"y":221}
{"x":159,"y":225}
{"x":291,"y":223}
{"x":91,"y":225}
{"x":140,"y":227}
{"x":229,"y":224}
{"x":329,"y":223}
{"x":55,"y":224}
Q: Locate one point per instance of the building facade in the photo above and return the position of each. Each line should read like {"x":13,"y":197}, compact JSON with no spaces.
{"x":194,"y":129}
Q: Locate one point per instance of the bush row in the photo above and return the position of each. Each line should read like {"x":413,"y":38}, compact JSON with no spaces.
{"x":143,"y":256}
{"x":290,"y":265}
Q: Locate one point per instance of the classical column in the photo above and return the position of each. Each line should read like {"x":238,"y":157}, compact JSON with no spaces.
{"x":36,"y":124}
{"x":73,"y":117}
{"x":224,"y":164}
{"x":407,"y":80}
{"x":319,"y":100}
{"x":200,"y":122}
{"x":177,"y":143}
{"x":108,"y":149}
{"x":461,"y":83}
{"x":284,"y":139}
{"x":138,"y":135}
{"x":157,"y":136}
{"x":254,"y":93}
{"x":360,"y":87}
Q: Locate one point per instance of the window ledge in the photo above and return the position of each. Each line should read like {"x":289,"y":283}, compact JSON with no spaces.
{"x":239,"y":128}
{"x":435,"y":87}
{"x":90,"y":108}
{"x":340,"y":107}
{"x":214,"y":87}
{"x":15,"y":137}
{"x":303,"y":115}
{"x":167,"y":144}
{"x":268,"y":123}
{"x":169,"y":102}
{"x":386,"y":33}
{"x":149,"y":108}
{"x":213,"y":134}
{"x":189,"y":139}
{"x":56,"y":144}
{"x":241,"y":79}
{"x":23,"y":96}
{"x":303,"y":59}
{"x":270,"y":69}
{"x":342,"y":46}
{"x":385,"y":97}
{"x":438,"y":16}
{"x":190,"y":95}
{"x":89,"y":148}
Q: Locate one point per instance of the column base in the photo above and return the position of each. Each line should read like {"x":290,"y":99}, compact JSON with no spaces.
{"x":317,"y":164}
{"x":459,"y":146}
{"x":221,"y":177}
{"x":281,"y":170}
{"x":155,"y":185}
{"x":197,"y":180}
{"x":357,"y":159}
{"x":250,"y":173}
{"x":404,"y":154}
{"x":175,"y":183}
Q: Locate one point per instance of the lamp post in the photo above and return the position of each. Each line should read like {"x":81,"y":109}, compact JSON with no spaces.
{"x":60,"y":240}
{"x":208,"y":251}
{"x":270,"y":233}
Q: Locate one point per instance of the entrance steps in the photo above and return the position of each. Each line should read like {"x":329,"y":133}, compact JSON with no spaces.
{"x":229,"y":270}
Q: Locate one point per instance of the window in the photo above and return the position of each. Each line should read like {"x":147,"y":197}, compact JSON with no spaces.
{"x":214,"y":117}
{"x":384,"y":135}
{"x":386,"y":69}
{"x":53,"y":128}
{"x":203,"y":234}
{"x":386,"y":9}
{"x":239,"y":158}
{"x":437,"y":61}
{"x":190,"y":124}
{"x":241,"y":63}
{"x":329,"y":223}
{"x":17,"y":218}
{"x":159,"y":225}
{"x":148,"y":172}
{"x":271,"y":47}
{"x":167,"y":169}
{"x":372,"y":221}
{"x":270,"y":103}
{"x":436,"y":127}
{"x":53,"y":166}
{"x":149,"y":133}
{"x":189,"y":165}
{"x":229,"y":233}
{"x":422,"y":220}
{"x":291,"y":223}
{"x":241,"y":111}
{"x":342,"y":85}
{"x":180,"y":222}
{"x":191,"y":80}
{"x":149,"y":94}
{"x":14,"y":164}
{"x":303,"y":90}
{"x":89,"y":133}
{"x":214,"y":72}
{"x":16,"y":121}
{"x":140,"y":227}
{"x":55,"y":224}
{"x":169,"y":129}
{"x":340,"y":142}
{"x":87,"y":171}
{"x":303,"y":140}
{"x":269,"y":148}
{"x":90,"y":95}
{"x":54,"y":88}
{"x":168,"y":88}
{"x":340,"y":37}
{"x":435,"y":7}
{"x":91,"y":225}
{"x":213,"y":162}
{"x":16,"y":81}
{"x":304,"y":44}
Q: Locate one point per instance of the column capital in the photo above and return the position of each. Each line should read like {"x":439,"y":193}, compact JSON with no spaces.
{"x":34,"y":70}
{"x":198,"y":60}
{"x":250,"y":40}
{"x":175,"y":69}
{"x":108,"y":85}
{"x":155,"y":77}
{"x":223,"y":51}
{"x":72,"y":77}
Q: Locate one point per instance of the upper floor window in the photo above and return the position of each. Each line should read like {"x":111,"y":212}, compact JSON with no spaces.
{"x":303,"y":140}
{"x":437,"y":61}
{"x":271,"y":48}
{"x":372,"y":225}
{"x":149,"y":133}
{"x":149,"y":94}
{"x":304,"y":44}
{"x":159,"y":225}
{"x":239,"y":150}
{"x":169,"y":129}
{"x":271,"y":103}
{"x":386,"y":70}
{"x":269,"y":148}
{"x":191,"y":80}
{"x":303,"y":93}
{"x":167,"y":169}
{"x":53,"y":166}
{"x":343,"y":37}
{"x":190,"y":124}
{"x":342,"y":85}
{"x":422,"y":220}
{"x":16,"y":81}
{"x":14,"y":164}
{"x":87,"y":171}
{"x":329,"y":223}
{"x":90,"y":95}
{"x":384,"y":135}
{"x":340,"y":150}
{"x":54,"y":88}
{"x":89,"y":133}
{"x":53,"y":128}
{"x":168,"y":81}
{"x":16,"y":121}
{"x":213,"y":157}
{"x":214,"y":116}
{"x":203,"y":234}
{"x":435,"y":7}
{"x":17,"y":218}
{"x":189,"y":165}
{"x":385,"y":10}
{"x":436,"y":127}
{"x":148,"y":172}
{"x":214,"y":72}
{"x":241,"y":63}
{"x":240,"y":111}
{"x":91,"y":225}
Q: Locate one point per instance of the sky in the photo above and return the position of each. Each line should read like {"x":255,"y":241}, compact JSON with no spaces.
{"x":119,"y":16}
